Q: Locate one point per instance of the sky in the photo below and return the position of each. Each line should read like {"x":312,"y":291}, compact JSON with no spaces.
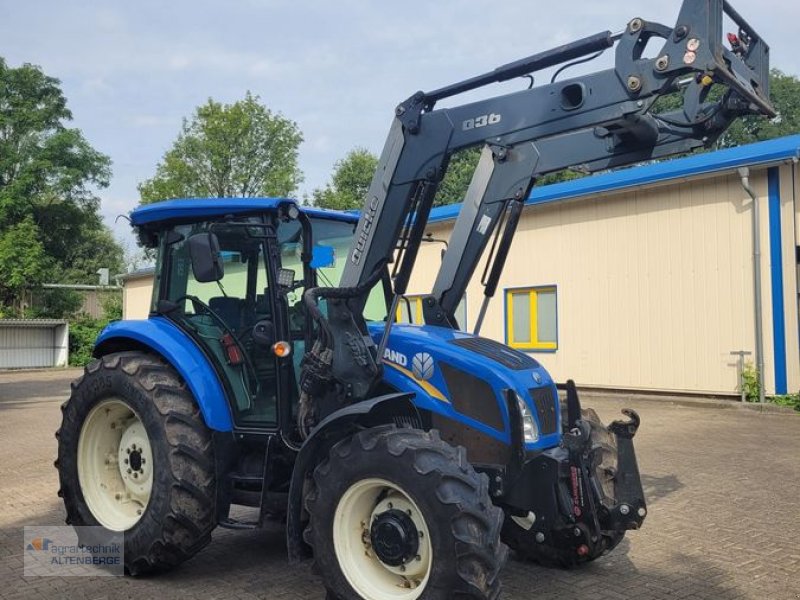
{"x":131,"y":71}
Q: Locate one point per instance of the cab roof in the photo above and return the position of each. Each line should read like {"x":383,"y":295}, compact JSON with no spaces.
{"x":198,"y":208}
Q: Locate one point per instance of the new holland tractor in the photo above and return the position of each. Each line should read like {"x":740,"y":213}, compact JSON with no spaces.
{"x":404,"y":458}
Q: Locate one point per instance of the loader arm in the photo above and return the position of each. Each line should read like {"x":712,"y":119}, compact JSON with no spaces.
{"x":597,"y":121}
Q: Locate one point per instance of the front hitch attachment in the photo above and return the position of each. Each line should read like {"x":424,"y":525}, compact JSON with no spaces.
{"x":626,"y":428}
{"x":630,"y":509}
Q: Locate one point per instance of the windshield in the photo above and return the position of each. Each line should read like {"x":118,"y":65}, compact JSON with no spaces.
{"x":329,"y":235}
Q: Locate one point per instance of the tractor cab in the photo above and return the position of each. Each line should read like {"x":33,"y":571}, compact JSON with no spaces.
{"x":230,"y":274}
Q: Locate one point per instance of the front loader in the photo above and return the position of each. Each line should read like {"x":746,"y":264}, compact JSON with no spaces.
{"x":403,"y":458}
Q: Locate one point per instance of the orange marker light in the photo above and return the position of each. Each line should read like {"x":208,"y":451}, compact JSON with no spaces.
{"x":282,"y":349}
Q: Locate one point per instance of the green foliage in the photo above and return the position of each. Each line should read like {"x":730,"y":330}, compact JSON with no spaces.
{"x":459,"y":174}
{"x":750,"y":382}
{"x":23,"y":261}
{"x":349,"y":183}
{"x":240,"y":149}
{"x":83,"y":331}
{"x":41,"y":161}
{"x":58,"y":303}
{"x":112,"y":305}
{"x":790,"y":400}
{"x":785,"y":95}
{"x":49,"y":222}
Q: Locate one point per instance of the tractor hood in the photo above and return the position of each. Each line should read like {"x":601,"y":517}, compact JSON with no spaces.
{"x":465,"y":377}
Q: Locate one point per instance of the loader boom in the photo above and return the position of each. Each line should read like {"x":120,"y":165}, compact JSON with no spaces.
{"x":598,"y":121}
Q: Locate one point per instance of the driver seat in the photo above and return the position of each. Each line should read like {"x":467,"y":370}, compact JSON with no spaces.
{"x":229,"y":310}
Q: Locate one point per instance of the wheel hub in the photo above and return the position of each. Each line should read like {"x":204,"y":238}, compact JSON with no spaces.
{"x":115,"y":464}
{"x":394,"y":537}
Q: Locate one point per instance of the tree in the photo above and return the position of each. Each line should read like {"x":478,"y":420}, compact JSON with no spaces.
{"x":41,"y":161}
{"x":459,"y":175}
{"x":350,"y":181}
{"x":23,"y":261}
{"x":49,"y":222}
{"x":240,"y":149}
{"x":785,"y":96}
{"x":456,"y":181}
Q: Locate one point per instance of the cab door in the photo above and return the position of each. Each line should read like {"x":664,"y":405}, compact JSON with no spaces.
{"x":232,"y":316}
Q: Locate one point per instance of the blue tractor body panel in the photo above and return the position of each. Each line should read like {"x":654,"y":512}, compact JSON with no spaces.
{"x":183,"y":354}
{"x":414,"y":360}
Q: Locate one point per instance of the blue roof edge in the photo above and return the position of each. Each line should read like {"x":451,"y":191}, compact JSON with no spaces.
{"x":759,"y":153}
{"x":188,"y":208}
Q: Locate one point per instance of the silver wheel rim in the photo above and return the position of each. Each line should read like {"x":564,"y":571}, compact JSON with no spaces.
{"x":365,"y":572}
{"x":115,"y":465}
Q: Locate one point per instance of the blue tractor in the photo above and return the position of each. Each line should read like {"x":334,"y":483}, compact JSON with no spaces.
{"x":404,"y":458}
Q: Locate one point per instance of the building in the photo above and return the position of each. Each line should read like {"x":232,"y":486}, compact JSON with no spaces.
{"x":643,"y":279}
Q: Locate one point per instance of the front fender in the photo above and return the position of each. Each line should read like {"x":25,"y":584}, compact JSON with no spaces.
{"x":162,"y":337}
{"x":369,"y":413}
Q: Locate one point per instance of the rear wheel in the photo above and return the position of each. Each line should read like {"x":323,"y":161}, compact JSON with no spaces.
{"x":135,"y":456}
{"x":400,"y":514}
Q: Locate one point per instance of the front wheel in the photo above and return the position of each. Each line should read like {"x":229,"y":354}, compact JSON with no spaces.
{"x":400,"y":514}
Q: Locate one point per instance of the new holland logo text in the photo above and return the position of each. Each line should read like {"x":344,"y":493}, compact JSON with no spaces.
{"x":396,"y":357}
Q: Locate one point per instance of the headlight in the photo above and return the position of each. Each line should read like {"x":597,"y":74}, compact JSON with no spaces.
{"x":530,"y":433}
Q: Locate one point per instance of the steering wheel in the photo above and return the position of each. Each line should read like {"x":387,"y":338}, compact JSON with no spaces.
{"x":205,"y":308}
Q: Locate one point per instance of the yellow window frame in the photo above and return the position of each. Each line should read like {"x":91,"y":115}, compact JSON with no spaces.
{"x":535,"y":343}
{"x":415,"y":304}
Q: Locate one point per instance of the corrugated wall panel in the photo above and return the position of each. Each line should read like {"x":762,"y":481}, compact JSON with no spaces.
{"x":654,"y":285}
{"x":26,"y":347}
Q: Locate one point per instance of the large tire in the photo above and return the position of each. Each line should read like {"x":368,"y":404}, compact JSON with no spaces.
{"x":522,"y":541}
{"x":172,"y":521}
{"x":427,"y":479}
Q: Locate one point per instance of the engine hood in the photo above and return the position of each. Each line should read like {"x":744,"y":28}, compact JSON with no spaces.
{"x":443,"y":367}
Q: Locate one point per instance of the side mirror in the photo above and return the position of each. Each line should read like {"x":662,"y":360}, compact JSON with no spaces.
{"x":207,"y":263}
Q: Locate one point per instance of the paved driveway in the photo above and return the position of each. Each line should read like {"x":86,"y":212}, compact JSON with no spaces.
{"x":723,"y":487}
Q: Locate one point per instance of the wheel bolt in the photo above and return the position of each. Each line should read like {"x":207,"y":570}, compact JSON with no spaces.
{"x":390,"y":505}
{"x":418,"y":558}
{"x":421,"y":534}
{"x":143,"y":461}
{"x":402,"y":568}
{"x":135,"y":475}
{"x":126,"y":461}
{"x":139,"y":511}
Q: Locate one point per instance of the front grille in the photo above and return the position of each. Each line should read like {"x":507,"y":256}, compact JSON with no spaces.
{"x":544,"y":399}
{"x":472,"y":396}
{"x":508,"y":357}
